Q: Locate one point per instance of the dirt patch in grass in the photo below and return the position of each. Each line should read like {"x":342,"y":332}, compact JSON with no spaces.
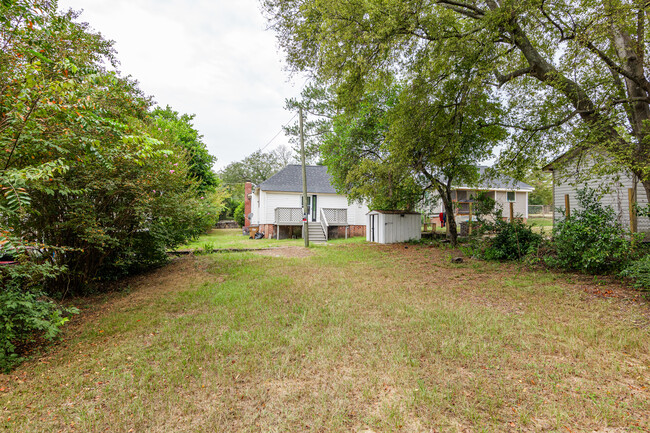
{"x":290,"y":252}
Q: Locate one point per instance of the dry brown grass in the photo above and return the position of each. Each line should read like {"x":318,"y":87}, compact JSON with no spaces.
{"x":349,"y":338}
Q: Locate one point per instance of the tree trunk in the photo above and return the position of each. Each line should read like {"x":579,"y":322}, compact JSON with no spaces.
{"x":445,"y":194}
{"x":646,"y":186}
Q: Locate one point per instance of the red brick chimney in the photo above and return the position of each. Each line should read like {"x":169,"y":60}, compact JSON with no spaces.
{"x":248,"y":190}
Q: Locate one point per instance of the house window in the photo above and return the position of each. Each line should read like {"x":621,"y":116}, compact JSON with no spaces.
{"x":461,"y":195}
{"x":511,"y":196}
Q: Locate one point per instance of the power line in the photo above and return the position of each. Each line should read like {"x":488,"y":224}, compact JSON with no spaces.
{"x":279,"y":132}
{"x":285,"y":125}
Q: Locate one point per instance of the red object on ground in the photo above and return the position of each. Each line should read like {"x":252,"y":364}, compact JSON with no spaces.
{"x":442,"y":220}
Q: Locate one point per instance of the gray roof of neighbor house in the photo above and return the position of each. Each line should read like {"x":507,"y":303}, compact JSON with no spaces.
{"x":498,"y":182}
{"x":289,"y":179}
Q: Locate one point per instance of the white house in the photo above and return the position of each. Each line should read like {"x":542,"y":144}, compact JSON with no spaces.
{"x":576,"y":169}
{"x":276,"y":206}
{"x":502,"y":189}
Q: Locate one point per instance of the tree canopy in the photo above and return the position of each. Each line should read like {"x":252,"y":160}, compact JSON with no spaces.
{"x":255,"y":168}
{"x":571,"y":74}
{"x":178,"y":129}
{"x":87,"y":177}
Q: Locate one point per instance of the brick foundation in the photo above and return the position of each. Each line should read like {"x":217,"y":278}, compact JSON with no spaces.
{"x":269,"y":230}
{"x":339,"y":231}
{"x":289,"y":232}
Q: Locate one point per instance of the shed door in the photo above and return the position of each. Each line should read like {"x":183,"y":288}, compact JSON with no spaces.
{"x":373,"y":227}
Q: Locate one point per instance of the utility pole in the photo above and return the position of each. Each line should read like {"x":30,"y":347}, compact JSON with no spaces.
{"x":305,"y":217}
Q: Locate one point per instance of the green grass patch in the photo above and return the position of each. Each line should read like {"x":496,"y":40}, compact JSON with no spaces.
{"x":351,"y":337}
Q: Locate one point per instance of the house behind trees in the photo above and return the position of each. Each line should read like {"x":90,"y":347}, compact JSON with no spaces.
{"x":615,"y":186}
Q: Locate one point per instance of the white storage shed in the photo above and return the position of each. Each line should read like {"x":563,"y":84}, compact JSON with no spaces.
{"x":389,"y":227}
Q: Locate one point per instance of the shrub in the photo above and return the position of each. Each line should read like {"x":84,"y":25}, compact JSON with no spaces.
{"x":26,"y":318}
{"x":591,"y":239}
{"x":239,"y":215}
{"x":639,"y":272}
{"x":512,"y":241}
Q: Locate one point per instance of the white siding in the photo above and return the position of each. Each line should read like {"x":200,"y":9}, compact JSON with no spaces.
{"x":255,"y":208}
{"x":615,"y":188}
{"x":272,"y":200}
{"x":393,"y":228}
{"x":269,"y":200}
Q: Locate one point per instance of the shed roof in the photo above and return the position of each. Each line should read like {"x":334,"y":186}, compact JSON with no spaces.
{"x":289,"y":179}
{"x":394,"y":212}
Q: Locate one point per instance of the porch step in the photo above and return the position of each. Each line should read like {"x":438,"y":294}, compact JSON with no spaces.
{"x":316,"y":233}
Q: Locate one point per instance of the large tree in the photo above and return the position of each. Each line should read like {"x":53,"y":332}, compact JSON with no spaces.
{"x":86,"y":177}
{"x":573,"y":72}
{"x":255,"y":168}
{"x":428,"y":134}
{"x":178,"y":129}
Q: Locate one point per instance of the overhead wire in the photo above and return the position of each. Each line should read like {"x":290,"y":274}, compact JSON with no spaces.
{"x":279,"y":132}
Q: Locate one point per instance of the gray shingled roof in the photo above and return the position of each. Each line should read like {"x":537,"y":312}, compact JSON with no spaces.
{"x":497,"y":182}
{"x":289,"y":179}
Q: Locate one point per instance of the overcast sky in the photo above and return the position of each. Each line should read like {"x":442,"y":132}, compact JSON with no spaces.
{"x":212,"y":58}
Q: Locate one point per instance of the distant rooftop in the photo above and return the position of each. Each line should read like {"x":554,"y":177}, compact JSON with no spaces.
{"x":289,"y":179}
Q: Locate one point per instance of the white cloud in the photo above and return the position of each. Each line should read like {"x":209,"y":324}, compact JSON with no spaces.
{"x":210,"y":58}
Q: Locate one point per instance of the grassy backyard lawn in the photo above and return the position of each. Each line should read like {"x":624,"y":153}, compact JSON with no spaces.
{"x":349,"y":337}
{"x":542,"y":222}
{"x":233,"y":238}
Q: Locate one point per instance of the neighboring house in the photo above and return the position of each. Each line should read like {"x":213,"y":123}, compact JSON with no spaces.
{"x":576,"y":169}
{"x":502,"y":189}
{"x":276,"y":206}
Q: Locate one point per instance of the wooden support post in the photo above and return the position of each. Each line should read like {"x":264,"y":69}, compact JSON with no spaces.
{"x":346,"y":231}
{"x":277,"y":235}
{"x":512,"y":212}
{"x":567,"y":205}
{"x":470,"y":218}
{"x":632,"y":201}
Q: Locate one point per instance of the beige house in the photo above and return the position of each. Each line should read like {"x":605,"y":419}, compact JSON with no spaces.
{"x":504,"y":190}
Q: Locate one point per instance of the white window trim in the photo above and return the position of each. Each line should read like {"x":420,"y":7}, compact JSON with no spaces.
{"x":511,"y":201}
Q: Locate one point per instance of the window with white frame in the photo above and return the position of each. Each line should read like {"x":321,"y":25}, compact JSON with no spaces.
{"x":511,"y":196}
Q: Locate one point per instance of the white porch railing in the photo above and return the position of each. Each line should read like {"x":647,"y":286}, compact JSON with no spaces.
{"x":293,"y":216}
{"x":323,"y":223}
{"x":288,"y":216}
{"x":335,"y":217}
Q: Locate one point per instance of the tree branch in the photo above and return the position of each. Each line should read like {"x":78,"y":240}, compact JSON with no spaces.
{"x":555,"y":124}
{"x":503,"y":79}
{"x":643,"y":83}
{"x":463,"y":8}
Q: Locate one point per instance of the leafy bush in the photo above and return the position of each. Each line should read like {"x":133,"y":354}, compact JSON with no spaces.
{"x":591,"y":239}
{"x":26,"y":318}
{"x":639,"y":272}
{"x":512,"y":240}
{"x":239,"y":215}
